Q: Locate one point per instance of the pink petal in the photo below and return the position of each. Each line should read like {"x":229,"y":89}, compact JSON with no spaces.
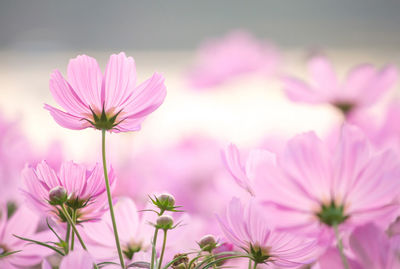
{"x":119,"y":80}
{"x":73,"y":177}
{"x":146,"y":97}
{"x":323,"y":74}
{"x":65,"y":95}
{"x":78,"y":259}
{"x":85,"y":77}
{"x":67,"y":120}
{"x":231,"y":159}
{"x":299,"y":91}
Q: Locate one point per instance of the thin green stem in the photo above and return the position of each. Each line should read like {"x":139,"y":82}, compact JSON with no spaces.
{"x":340,"y":246}
{"x":255,"y":265}
{"x":163,"y":248}
{"x":73,"y":234}
{"x":249,"y":264}
{"x":153,"y":249}
{"x":68,"y":217}
{"x":67,"y":238}
{"x":110,"y":204}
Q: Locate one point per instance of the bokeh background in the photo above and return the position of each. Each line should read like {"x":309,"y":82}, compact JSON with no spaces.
{"x":39,"y":36}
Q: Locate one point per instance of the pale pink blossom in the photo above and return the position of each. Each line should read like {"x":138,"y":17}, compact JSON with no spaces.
{"x":112,"y":101}
{"x":23,"y":223}
{"x":314,"y":186}
{"x":247,"y":227}
{"x":135,"y":234}
{"x":236,"y":54}
{"x":77,"y":259}
{"x":373,"y":249}
{"x":12,"y":144}
{"x":363,"y":86}
{"x":85,"y":189}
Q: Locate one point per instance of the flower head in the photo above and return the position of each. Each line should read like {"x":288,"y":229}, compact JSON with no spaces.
{"x":85,"y":189}
{"x":314,"y":187}
{"x":111,"y":101}
{"x":14,"y":252}
{"x":236,"y":54}
{"x":363,"y":86}
{"x":134,"y":232}
{"x":247,"y":228}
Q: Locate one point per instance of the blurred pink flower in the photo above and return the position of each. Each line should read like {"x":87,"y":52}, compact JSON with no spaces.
{"x":111,"y":101}
{"x":373,"y":249}
{"x":364,"y":85}
{"x":85,"y":189}
{"x":78,"y":259}
{"x":247,"y":228}
{"x":134,"y":233}
{"x":236,"y":54}
{"x":22,"y":223}
{"x":192,"y":172}
{"x":12,"y":144}
{"x":314,"y":187}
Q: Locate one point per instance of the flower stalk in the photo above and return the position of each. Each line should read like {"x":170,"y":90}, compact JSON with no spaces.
{"x":110,"y":204}
{"x":70,"y":221}
{"x":340,"y":246}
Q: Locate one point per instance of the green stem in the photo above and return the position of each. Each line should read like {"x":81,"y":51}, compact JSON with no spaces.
{"x":249,"y":264}
{"x":110,"y":204}
{"x":73,"y":234}
{"x":68,"y":217}
{"x":340,"y":246}
{"x":153,"y":250}
{"x":67,"y":238}
{"x":163,"y":248}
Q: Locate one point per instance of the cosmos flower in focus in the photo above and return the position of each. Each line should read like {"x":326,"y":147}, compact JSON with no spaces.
{"x":23,"y":223}
{"x":111,"y":101}
{"x":363,"y":86}
{"x":84,"y":187}
{"x":314,"y":186}
{"x":234,"y":55}
{"x":247,"y":228}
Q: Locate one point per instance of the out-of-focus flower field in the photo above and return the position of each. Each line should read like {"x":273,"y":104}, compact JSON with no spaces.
{"x":245,"y":154}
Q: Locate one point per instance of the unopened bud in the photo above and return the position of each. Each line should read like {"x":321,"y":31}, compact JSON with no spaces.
{"x":208,"y":242}
{"x":165,"y":222}
{"x":58,"y":196}
{"x":166,"y":199}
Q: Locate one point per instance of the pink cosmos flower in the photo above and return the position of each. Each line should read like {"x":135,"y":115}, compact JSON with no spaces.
{"x":236,"y":54}
{"x":369,"y":248}
{"x":85,"y":189}
{"x":363,"y":86}
{"x":134,"y":233}
{"x":78,"y":259}
{"x":12,"y":143}
{"x":247,"y":228}
{"x":374,"y":249}
{"x":314,"y":187}
{"x":23,"y":223}
{"x":111,"y":101}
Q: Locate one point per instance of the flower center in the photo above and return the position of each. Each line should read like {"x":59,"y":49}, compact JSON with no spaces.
{"x":259,"y":254}
{"x":104,"y":121}
{"x":345,"y":107}
{"x":332,"y":214}
{"x":3,"y":250}
{"x":131,"y":249}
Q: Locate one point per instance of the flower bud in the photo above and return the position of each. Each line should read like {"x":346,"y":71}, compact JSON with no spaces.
{"x":165,"y":222}
{"x":208,"y":242}
{"x":166,"y":199}
{"x":180,"y":263}
{"x":58,"y":196}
